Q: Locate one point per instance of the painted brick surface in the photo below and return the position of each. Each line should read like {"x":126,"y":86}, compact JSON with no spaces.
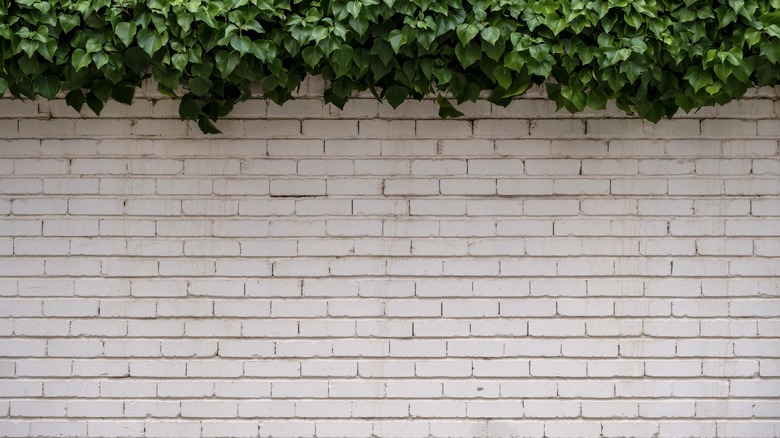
{"x":368,"y":272}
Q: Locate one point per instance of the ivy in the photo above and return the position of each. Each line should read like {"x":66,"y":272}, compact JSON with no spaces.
{"x":652,"y":57}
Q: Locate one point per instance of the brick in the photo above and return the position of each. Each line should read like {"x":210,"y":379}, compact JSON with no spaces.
{"x":411,"y":187}
{"x":683,"y":428}
{"x":329,"y":128}
{"x":234,"y":428}
{"x":575,"y":186}
{"x":291,"y":187}
{"x":545,"y":128}
{"x":171,"y":429}
{"x":460,"y":429}
{"x":187,"y":187}
{"x":524,"y":186}
{"x":638,"y":186}
{"x":551,"y":208}
{"x":444,"y":129}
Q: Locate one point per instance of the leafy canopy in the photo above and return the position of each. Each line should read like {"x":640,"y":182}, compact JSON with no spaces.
{"x":652,"y":57}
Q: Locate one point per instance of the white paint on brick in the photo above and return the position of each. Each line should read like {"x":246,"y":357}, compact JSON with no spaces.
{"x":322,"y":272}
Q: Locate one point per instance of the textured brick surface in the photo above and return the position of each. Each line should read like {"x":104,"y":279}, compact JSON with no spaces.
{"x":365,"y":272}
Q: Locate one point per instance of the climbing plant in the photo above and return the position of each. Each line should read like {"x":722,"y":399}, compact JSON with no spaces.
{"x":652,"y":57}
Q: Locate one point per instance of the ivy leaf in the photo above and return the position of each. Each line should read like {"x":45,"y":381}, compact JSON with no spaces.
{"x":318,"y":34}
{"x":100,"y":59}
{"x":490,"y":34}
{"x":502,"y":76}
{"x":125,"y":32}
{"x":123,"y":93}
{"x":723,"y":71}
{"x":199,"y":86}
{"x":75,"y":99}
{"x":263,"y":50}
{"x":396,"y":38}
{"x":466,"y":32}
{"x":150,"y":41}
{"x":47,"y":86}
{"x":770,"y":18}
{"x":353,"y":8}
{"x":188,"y":108}
{"x":207,"y":127}
{"x":631,"y":70}
{"x":29,"y":47}
{"x":514,"y":61}
{"x":597,"y":99}
{"x":95,"y":104}
{"x":771,"y":50}
{"x":179,"y":61}
{"x":342,"y":60}
{"x":446,"y":109}
{"x":136,"y":58}
{"x":80,"y":59}
{"x":68,"y":22}
{"x":698,"y":78}
{"x":467,"y":55}
{"x":311,"y":55}
{"x":360,"y":25}
{"x":241,"y":43}
{"x":396,"y":95}
{"x":227,"y":62}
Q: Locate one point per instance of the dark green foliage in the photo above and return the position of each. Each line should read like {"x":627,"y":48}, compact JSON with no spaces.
{"x":651,"y":57}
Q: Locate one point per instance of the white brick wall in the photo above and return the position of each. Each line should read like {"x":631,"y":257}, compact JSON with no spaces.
{"x":358,"y":272}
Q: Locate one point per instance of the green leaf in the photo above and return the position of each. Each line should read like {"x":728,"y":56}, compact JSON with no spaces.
{"x":242,"y":44}
{"x":95,"y":104}
{"x":188,"y":108}
{"x":698,"y":78}
{"x":597,"y":99}
{"x":514,"y":61}
{"x":311,"y":55}
{"x":396,"y":95}
{"x":123,"y":93}
{"x":125,"y":32}
{"x":29,"y":66}
{"x":227,"y":62}
{"x":100,"y":59}
{"x":75,"y":99}
{"x":723,"y":71}
{"x":342,"y":60}
{"x":179,"y":61}
{"x":102,"y":90}
{"x":47,"y":86}
{"x":29,"y":47}
{"x":318,"y":34}
{"x":771,"y":50}
{"x":466,"y":32}
{"x":468,"y":55}
{"x":68,"y":22}
{"x":490,"y":34}
{"x":353,"y":8}
{"x":207,"y":127}
{"x":396,"y":38}
{"x":446,"y":109}
{"x":93,"y":45}
{"x":199,"y":86}
{"x":502,"y":76}
{"x":136,"y":58}
{"x":263,"y":50}
{"x":770,"y":18}
{"x":150,"y":41}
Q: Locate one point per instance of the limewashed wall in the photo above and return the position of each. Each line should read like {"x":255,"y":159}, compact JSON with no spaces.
{"x":316,"y":272}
